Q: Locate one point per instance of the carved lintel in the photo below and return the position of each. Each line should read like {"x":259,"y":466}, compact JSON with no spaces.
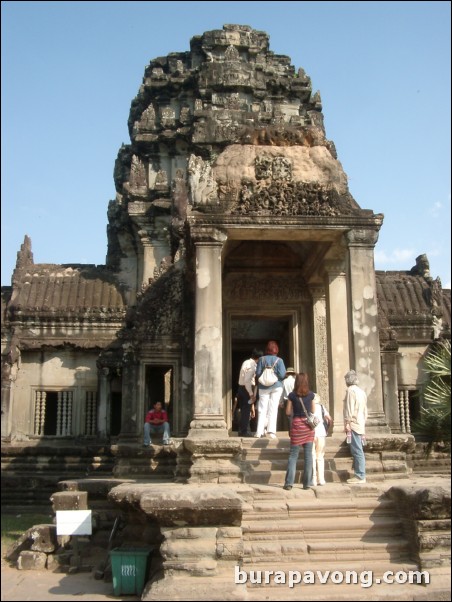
{"x":254,"y":286}
{"x":360,"y":237}
{"x":208,"y":235}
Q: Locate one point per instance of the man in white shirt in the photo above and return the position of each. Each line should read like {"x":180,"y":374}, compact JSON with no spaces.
{"x":246,"y":396}
{"x":355,"y":416}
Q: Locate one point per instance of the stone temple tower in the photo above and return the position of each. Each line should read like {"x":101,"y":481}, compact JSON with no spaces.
{"x":232,"y":225}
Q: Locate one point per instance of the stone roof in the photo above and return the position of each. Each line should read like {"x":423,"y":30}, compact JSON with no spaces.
{"x":408,"y":298}
{"x":47,"y":290}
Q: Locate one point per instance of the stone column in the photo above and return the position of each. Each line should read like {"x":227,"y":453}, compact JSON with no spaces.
{"x":102,"y":410}
{"x":365,"y":340}
{"x":208,"y":441}
{"x":320,"y":344}
{"x":148,"y":262}
{"x":338,"y":337}
{"x":7,"y":400}
{"x":390,"y":388}
{"x":202,"y":539}
{"x":131,"y":419}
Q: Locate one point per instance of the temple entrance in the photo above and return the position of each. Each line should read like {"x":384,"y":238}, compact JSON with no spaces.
{"x":248,"y":333}
{"x":159,"y":387}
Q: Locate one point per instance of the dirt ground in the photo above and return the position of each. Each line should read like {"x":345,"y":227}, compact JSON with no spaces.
{"x":49,"y":585}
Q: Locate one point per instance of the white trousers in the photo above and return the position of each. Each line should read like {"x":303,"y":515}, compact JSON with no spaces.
{"x":267,"y":407}
{"x":318,"y":460}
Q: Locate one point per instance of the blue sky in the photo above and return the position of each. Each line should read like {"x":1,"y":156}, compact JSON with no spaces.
{"x":71,"y":69}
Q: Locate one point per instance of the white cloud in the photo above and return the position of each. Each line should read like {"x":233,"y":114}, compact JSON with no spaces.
{"x":435,"y":210}
{"x":447,"y":285}
{"x":400,"y":257}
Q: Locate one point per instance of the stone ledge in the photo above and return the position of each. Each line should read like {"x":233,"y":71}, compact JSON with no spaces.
{"x":179,"y":505}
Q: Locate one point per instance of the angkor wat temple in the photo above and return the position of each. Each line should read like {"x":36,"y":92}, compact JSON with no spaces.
{"x":232,"y":224}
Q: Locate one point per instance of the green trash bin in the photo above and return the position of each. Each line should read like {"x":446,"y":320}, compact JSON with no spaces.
{"x":130,"y":568}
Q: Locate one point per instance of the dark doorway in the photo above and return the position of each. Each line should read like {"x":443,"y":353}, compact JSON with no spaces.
{"x":159,"y":387}
{"x":254,"y":333}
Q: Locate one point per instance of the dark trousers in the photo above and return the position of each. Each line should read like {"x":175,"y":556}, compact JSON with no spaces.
{"x":245,"y":410}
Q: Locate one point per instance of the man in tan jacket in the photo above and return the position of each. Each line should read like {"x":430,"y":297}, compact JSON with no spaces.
{"x":355,"y":416}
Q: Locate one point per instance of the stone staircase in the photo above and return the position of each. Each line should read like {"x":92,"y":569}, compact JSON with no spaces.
{"x":265,"y":460}
{"x":30,"y":473}
{"x":137,"y":462}
{"x":423,"y":461}
{"x":335,"y":530}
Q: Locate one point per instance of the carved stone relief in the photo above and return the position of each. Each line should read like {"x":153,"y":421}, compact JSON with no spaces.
{"x":137,"y":181}
{"x":284,"y":289}
{"x":203,"y":188}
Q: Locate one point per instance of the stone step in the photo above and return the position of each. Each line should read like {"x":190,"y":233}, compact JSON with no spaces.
{"x":347,"y":582}
{"x":339,"y":527}
{"x":247,"y":582}
{"x":320,"y":551}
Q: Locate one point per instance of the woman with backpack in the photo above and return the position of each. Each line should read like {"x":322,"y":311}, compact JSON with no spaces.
{"x":270,"y":373}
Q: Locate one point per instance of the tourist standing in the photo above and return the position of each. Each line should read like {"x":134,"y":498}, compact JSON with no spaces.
{"x":355,"y":416}
{"x":269,"y":395}
{"x":245,"y":393}
{"x":288,"y":385}
{"x":301,"y":401}
{"x":318,"y":449}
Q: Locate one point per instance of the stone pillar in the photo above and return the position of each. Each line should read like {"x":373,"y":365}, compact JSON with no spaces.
{"x":148,"y":262}
{"x":208,"y":440}
{"x":131,"y":419}
{"x":338,"y":337}
{"x":7,"y":400}
{"x":102,"y":410}
{"x":154,"y":251}
{"x":202,"y":538}
{"x":10,"y":367}
{"x":320,"y":344}
{"x":365,"y":342}
{"x":390,"y":388}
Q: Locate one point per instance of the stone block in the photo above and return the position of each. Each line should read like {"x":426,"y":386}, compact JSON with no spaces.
{"x":69,"y":500}
{"x":31,"y":561}
{"x":40,"y":538}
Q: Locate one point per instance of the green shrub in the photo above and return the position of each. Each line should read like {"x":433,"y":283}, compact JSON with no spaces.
{"x":14,"y":525}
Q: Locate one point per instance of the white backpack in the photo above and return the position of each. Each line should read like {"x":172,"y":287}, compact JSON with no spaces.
{"x":268,"y":376}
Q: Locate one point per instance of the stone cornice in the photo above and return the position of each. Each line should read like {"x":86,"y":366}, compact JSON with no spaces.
{"x":371,"y":223}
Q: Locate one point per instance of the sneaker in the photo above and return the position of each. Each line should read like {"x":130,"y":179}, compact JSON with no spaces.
{"x":322,"y":483}
{"x":272,"y":436}
{"x":256,"y":436}
{"x":287,"y":487}
{"x":167,"y":443}
{"x":355,"y":481}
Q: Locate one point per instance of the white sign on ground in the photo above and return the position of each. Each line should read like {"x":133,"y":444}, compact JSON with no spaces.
{"x":73,"y":522}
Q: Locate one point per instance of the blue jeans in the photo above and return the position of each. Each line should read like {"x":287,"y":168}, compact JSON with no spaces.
{"x":292,"y":465}
{"x":359,"y":459}
{"x":156,"y":428}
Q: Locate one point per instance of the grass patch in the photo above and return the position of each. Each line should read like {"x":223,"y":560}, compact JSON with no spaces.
{"x":14,"y":525}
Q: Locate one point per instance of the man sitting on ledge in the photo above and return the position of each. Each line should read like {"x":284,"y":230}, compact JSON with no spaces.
{"x":156,"y":421}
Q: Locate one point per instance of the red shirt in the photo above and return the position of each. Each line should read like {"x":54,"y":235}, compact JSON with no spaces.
{"x":153,"y":415}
